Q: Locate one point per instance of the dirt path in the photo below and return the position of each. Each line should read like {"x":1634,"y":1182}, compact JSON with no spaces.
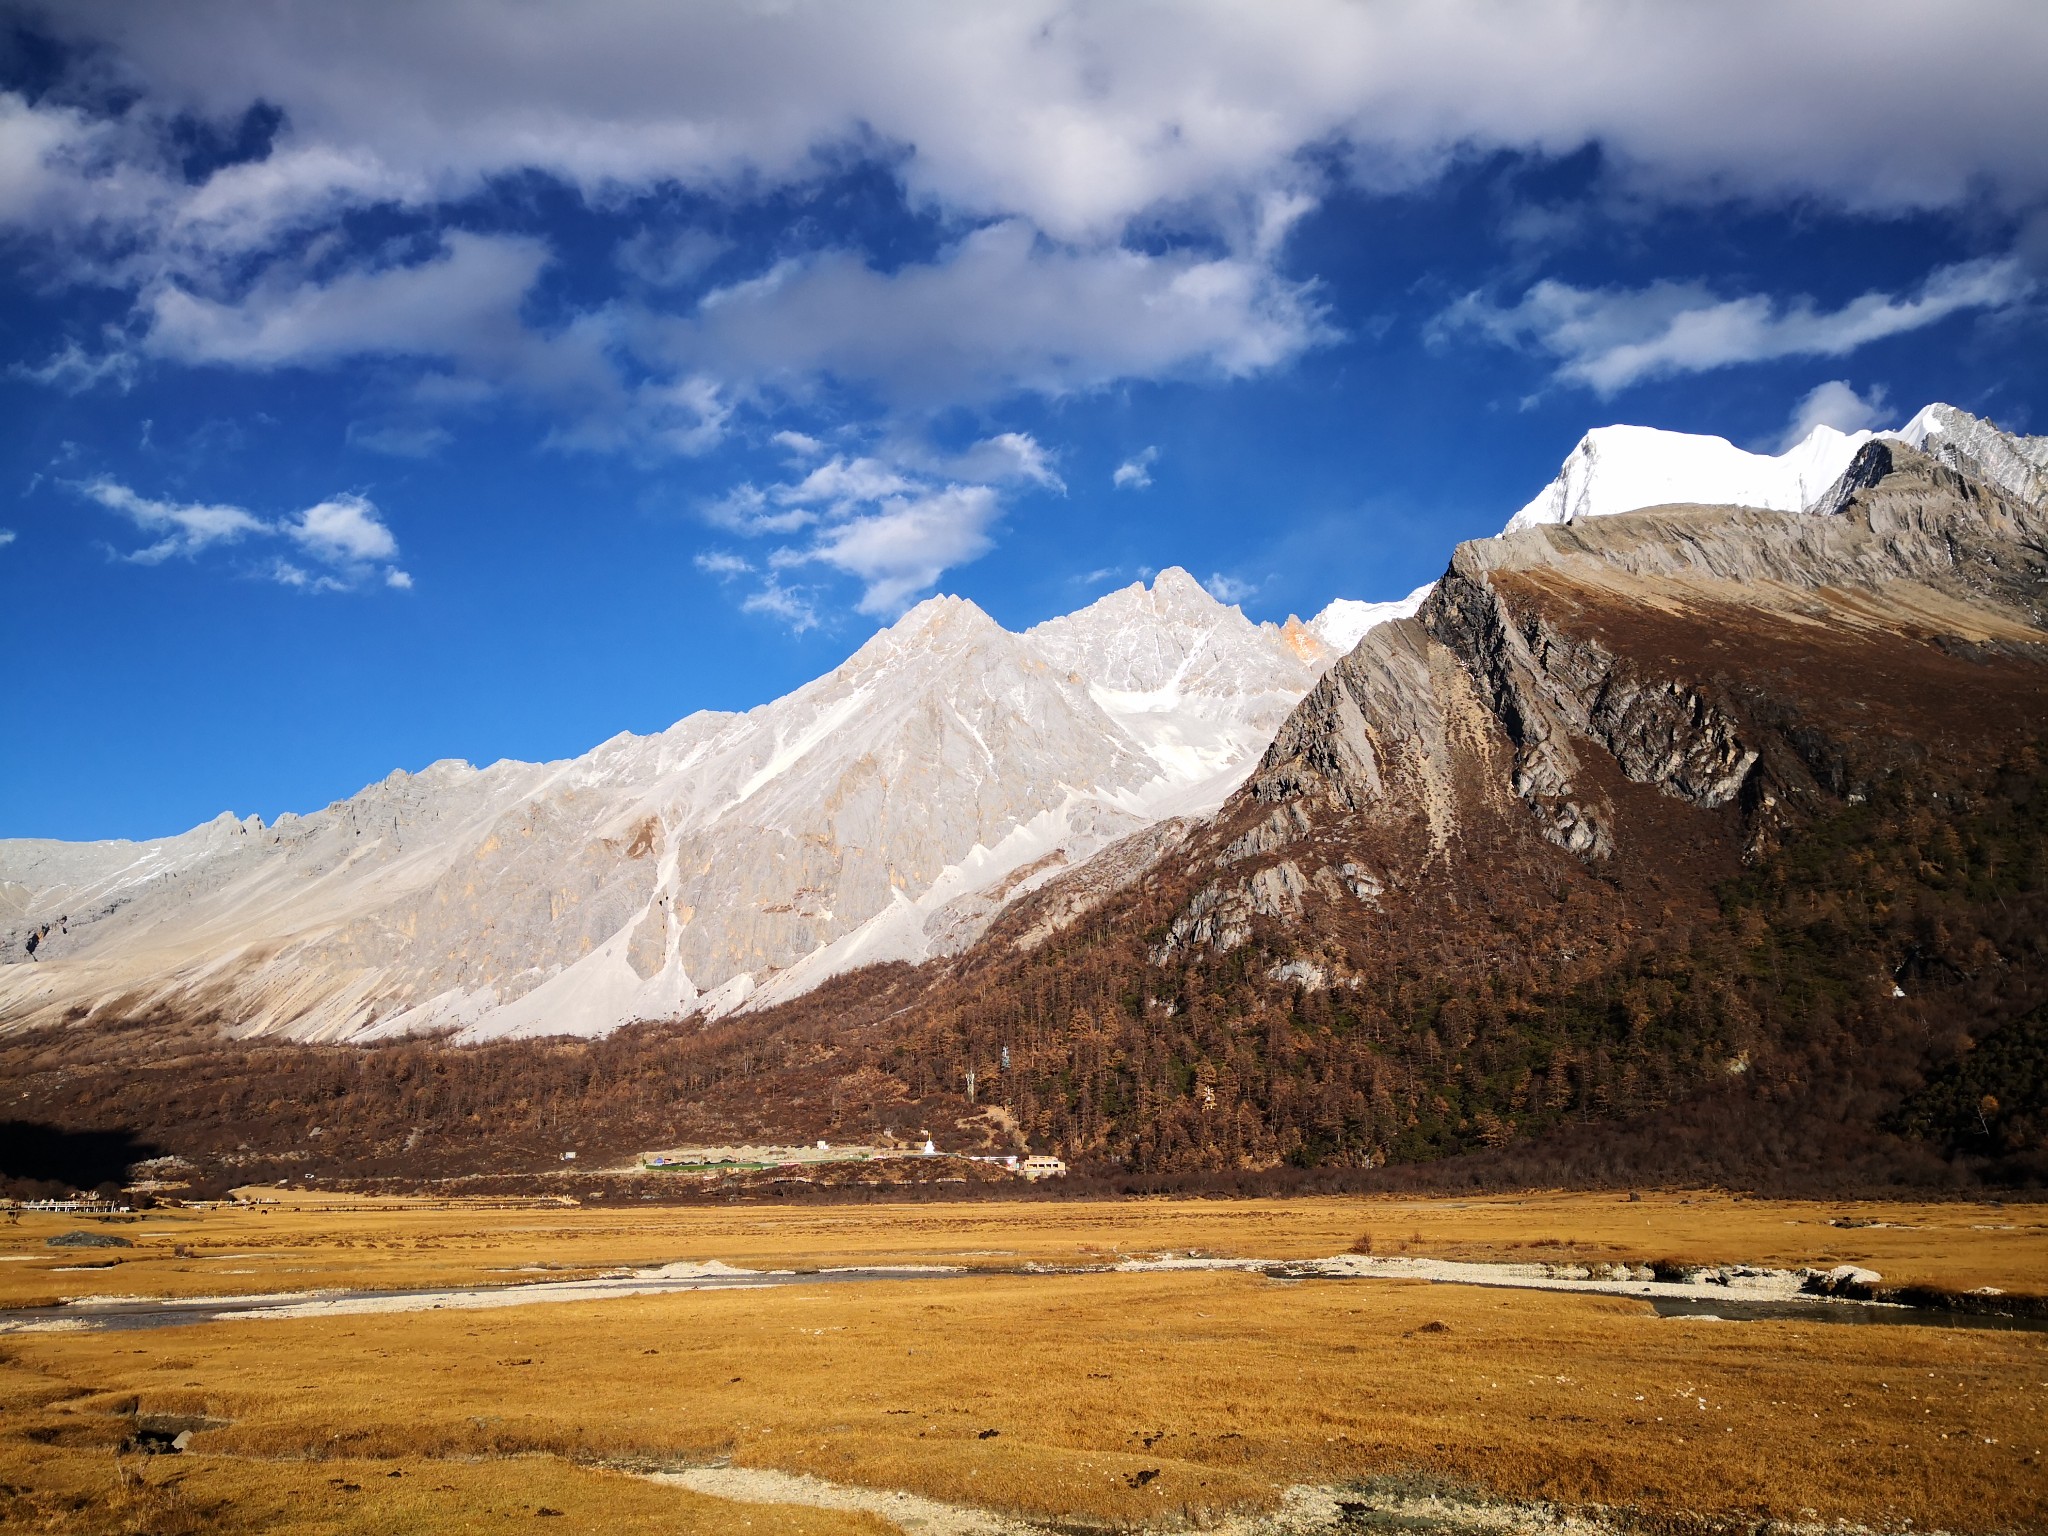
{"x":1303,"y":1511}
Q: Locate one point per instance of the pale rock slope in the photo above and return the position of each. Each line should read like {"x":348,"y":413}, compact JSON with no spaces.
{"x":1182,"y":694}
{"x":885,"y":811}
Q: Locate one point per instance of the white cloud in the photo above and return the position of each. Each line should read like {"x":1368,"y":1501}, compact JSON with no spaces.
{"x":801,"y":444}
{"x":305,"y":185}
{"x":1135,"y":473}
{"x":745,"y":509}
{"x":1077,"y":144}
{"x":463,"y":303}
{"x":7,"y":537}
{"x":341,"y":531}
{"x":905,"y":545}
{"x":1001,"y":311}
{"x":1609,"y":338}
{"x":1228,"y":589}
{"x":184,"y":528}
{"x":792,"y":605}
{"x":896,"y":520}
{"x":723,"y":564}
{"x":344,"y":536}
{"x":74,"y":370}
{"x":286,"y":574}
{"x":841,"y":483}
{"x":34,"y":144}
{"x":1083,"y":119}
{"x":1834,"y":404}
{"x":1008,"y":458}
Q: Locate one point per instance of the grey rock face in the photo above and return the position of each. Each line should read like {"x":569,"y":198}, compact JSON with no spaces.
{"x":1957,"y":440}
{"x":1905,"y":541}
{"x":1285,"y":825}
{"x":1220,"y":914}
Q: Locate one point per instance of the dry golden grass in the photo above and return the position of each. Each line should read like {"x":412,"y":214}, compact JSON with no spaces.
{"x":79,"y":1491}
{"x":1229,"y":1385}
{"x":311,"y":1242}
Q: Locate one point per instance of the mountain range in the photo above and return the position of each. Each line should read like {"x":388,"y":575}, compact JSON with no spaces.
{"x":882,"y":812}
{"x":1723,"y":808}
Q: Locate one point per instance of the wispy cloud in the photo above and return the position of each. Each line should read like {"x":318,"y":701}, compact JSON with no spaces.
{"x":400,"y":439}
{"x":74,"y":370}
{"x":723,"y":564}
{"x":1229,"y":589}
{"x":462,"y":302}
{"x":7,"y":537}
{"x":1008,"y":458}
{"x":792,"y":605}
{"x":1610,"y":338}
{"x":1135,"y":473}
{"x":181,"y":528}
{"x":895,"y":519}
{"x":1000,"y":312}
{"x":344,"y":538}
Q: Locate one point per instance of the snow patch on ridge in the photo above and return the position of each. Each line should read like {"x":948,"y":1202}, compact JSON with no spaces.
{"x":1346,"y":621}
{"x":788,"y":754}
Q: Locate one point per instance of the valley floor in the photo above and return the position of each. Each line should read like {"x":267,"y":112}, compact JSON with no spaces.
{"x":1003,"y":1401}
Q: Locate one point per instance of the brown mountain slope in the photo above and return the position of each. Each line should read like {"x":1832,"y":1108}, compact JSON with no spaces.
{"x":1634,"y":811}
{"x":1692,"y":843}
{"x":1641,"y":813}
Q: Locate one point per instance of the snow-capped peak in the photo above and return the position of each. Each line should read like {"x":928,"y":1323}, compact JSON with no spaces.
{"x":1929,"y":421}
{"x":884,"y":811}
{"x":1623,"y":469}
{"x":1346,"y":620}
{"x":1171,"y":634}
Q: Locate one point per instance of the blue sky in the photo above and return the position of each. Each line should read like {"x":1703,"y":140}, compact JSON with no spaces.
{"x":390,"y":382}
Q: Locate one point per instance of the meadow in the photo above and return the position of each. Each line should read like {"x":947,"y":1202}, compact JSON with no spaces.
{"x":1112,"y":1400}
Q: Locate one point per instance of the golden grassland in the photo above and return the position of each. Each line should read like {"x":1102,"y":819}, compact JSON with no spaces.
{"x":1230,"y":1386}
{"x":316,"y":1241}
{"x":1046,"y":1395}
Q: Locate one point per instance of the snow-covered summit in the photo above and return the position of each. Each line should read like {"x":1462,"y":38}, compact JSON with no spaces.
{"x":1623,"y":469}
{"x":1346,"y":620}
{"x":1171,"y":638}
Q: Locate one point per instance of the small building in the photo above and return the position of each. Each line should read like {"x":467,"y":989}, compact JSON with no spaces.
{"x":1042,"y":1167}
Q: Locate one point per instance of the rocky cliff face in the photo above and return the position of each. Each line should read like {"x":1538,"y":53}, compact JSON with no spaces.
{"x":2014,"y":464}
{"x":1542,"y":630}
